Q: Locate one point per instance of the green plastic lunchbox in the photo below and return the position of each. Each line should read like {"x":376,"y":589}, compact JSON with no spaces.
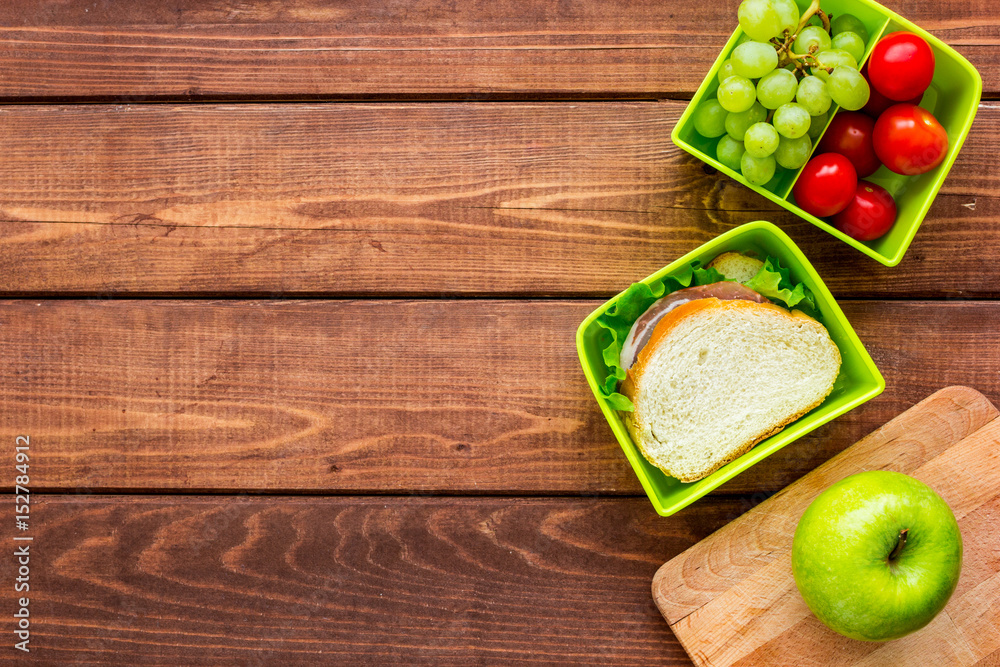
{"x":953,"y":98}
{"x":859,"y":379}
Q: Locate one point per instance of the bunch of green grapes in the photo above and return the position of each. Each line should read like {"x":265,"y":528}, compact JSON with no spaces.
{"x":776,"y":89}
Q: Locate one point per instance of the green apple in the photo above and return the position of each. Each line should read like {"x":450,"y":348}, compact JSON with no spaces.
{"x":877,"y":555}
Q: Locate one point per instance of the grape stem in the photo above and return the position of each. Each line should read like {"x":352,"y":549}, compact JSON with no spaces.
{"x":784,"y":47}
{"x":813,"y":9}
{"x":801,"y":60}
{"x":825,"y":19}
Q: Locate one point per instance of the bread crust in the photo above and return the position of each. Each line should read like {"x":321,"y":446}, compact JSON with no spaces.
{"x":736,"y":265}
{"x":629,"y":387}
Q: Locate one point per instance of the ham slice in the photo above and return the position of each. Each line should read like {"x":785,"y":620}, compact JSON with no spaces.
{"x":643,"y":327}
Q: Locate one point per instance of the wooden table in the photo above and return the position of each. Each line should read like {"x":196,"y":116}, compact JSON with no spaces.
{"x":290,"y":296}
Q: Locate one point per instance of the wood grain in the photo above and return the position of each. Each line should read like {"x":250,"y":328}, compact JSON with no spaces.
{"x":130,"y":580}
{"x":731,"y":599}
{"x":395,"y":399}
{"x":294,"y":49}
{"x":474,"y":396}
{"x":414,"y":200}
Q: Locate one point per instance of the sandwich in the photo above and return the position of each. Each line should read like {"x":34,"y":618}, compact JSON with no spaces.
{"x":712,"y":367}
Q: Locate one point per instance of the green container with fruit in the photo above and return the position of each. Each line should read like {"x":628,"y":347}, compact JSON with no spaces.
{"x":789,"y":128}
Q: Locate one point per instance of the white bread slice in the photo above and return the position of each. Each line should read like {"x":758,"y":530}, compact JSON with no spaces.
{"x":717,"y":377}
{"x":736,"y":266}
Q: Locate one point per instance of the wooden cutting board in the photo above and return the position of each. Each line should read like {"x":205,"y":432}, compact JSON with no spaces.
{"x":731,"y":599}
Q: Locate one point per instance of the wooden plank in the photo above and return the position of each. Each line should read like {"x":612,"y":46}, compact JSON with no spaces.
{"x":133,"y":580}
{"x":474,"y":396}
{"x":155,"y":49}
{"x":414,"y":199}
{"x":731,"y":598}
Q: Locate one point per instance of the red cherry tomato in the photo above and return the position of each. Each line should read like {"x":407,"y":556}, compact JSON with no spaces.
{"x":877,"y":102}
{"x":850,"y":134}
{"x":826,"y":185}
{"x":870,"y":215}
{"x":909,"y":140}
{"x":901,"y":66}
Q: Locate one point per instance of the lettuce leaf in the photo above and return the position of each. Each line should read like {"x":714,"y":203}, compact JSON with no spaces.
{"x":618,"y":320}
{"x":772,"y":281}
{"x":775,"y":283}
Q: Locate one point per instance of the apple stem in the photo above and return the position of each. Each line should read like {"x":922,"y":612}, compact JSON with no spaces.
{"x":894,"y":554}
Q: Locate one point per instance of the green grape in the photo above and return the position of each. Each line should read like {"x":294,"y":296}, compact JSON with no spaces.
{"x":849,"y":23}
{"x":726,"y":71}
{"x":791,"y":120}
{"x":848,"y":88}
{"x":850,"y":42}
{"x":793,"y":153}
{"x":743,"y":39}
{"x":764,"y":19}
{"x":757,"y":170}
{"x":813,"y":96}
{"x":754,"y":59}
{"x":710,"y":119}
{"x":776,"y":88}
{"x":816,"y":125}
{"x":833,"y":58}
{"x":788,"y":15}
{"x":737,"y":123}
{"x":809,"y":37}
{"x":761,"y":140}
{"x":729,"y":151}
{"x":737,"y":93}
